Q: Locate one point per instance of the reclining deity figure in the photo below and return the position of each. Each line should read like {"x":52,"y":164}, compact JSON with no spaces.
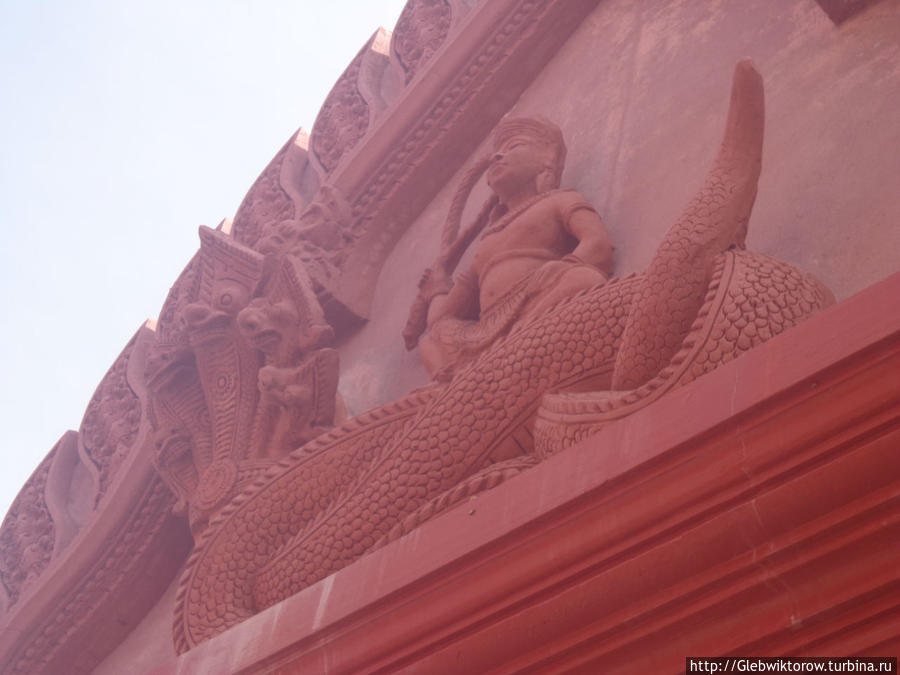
{"x":539,"y":245}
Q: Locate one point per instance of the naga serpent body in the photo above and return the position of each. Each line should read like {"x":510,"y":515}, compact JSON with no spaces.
{"x":700,"y":304}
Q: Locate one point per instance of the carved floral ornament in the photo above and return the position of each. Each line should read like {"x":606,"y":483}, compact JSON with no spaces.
{"x":548,"y":320}
{"x":420,"y":30}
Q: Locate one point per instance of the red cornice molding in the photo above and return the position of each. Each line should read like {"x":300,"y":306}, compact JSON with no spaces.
{"x":105,"y":581}
{"x":749,"y":512}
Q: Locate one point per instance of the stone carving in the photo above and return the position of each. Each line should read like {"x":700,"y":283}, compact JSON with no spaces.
{"x":538,"y":245}
{"x":62,"y":641}
{"x":319,"y":238}
{"x":281,"y":215}
{"x":422,"y":147}
{"x":343,"y":118}
{"x":79,"y":572}
{"x":750,"y":299}
{"x":110,"y":424}
{"x":68,"y":485}
{"x":380,"y":209}
{"x":26,"y":538}
{"x":299,"y":379}
{"x":420,"y":30}
{"x":350,"y":490}
{"x":320,"y":470}
{"x":485,"y":479}
{"x":70,"y":491}
{"x":240,"y":375}
{"x":267,"y":201}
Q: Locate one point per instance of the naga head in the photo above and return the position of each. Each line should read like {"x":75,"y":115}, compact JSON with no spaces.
{"x":272,"y":328}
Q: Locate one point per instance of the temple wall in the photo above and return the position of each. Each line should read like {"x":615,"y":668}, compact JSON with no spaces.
{"x":644,"y":120}
{"x":641,"y":93}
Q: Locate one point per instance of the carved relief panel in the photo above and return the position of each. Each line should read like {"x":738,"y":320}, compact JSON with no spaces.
{"x":240,"y":375}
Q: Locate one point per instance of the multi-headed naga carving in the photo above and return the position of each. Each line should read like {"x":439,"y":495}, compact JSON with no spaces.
{"x":240,"y":375}
{"x":703,"y":301}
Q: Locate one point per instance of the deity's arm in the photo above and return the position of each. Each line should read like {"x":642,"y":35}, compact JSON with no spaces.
{"x":594,"y":244}
{"x":461,"y":302}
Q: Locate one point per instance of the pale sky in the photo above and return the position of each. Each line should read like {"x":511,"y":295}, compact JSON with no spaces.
{"x":125,"y":125}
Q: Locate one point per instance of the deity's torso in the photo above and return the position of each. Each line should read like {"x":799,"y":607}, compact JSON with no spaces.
{"x":510,"y":252}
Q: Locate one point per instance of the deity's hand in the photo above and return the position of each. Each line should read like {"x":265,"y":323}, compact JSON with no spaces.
{"x":558,"y":280}
{"x":435,"y":281}
{"x":550,"y":271}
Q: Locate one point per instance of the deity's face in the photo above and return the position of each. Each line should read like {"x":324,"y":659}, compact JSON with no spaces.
{"x":516,"y":164}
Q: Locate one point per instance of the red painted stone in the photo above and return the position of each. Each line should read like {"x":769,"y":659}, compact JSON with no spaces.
{"x":761,"y":525}
{"x":677,"y":508}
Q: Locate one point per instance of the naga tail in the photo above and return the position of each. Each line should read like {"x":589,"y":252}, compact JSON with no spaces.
{"x":715,"y":219}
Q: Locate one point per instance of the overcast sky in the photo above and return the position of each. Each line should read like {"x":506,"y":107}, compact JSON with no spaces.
{"x":125,"y":125}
